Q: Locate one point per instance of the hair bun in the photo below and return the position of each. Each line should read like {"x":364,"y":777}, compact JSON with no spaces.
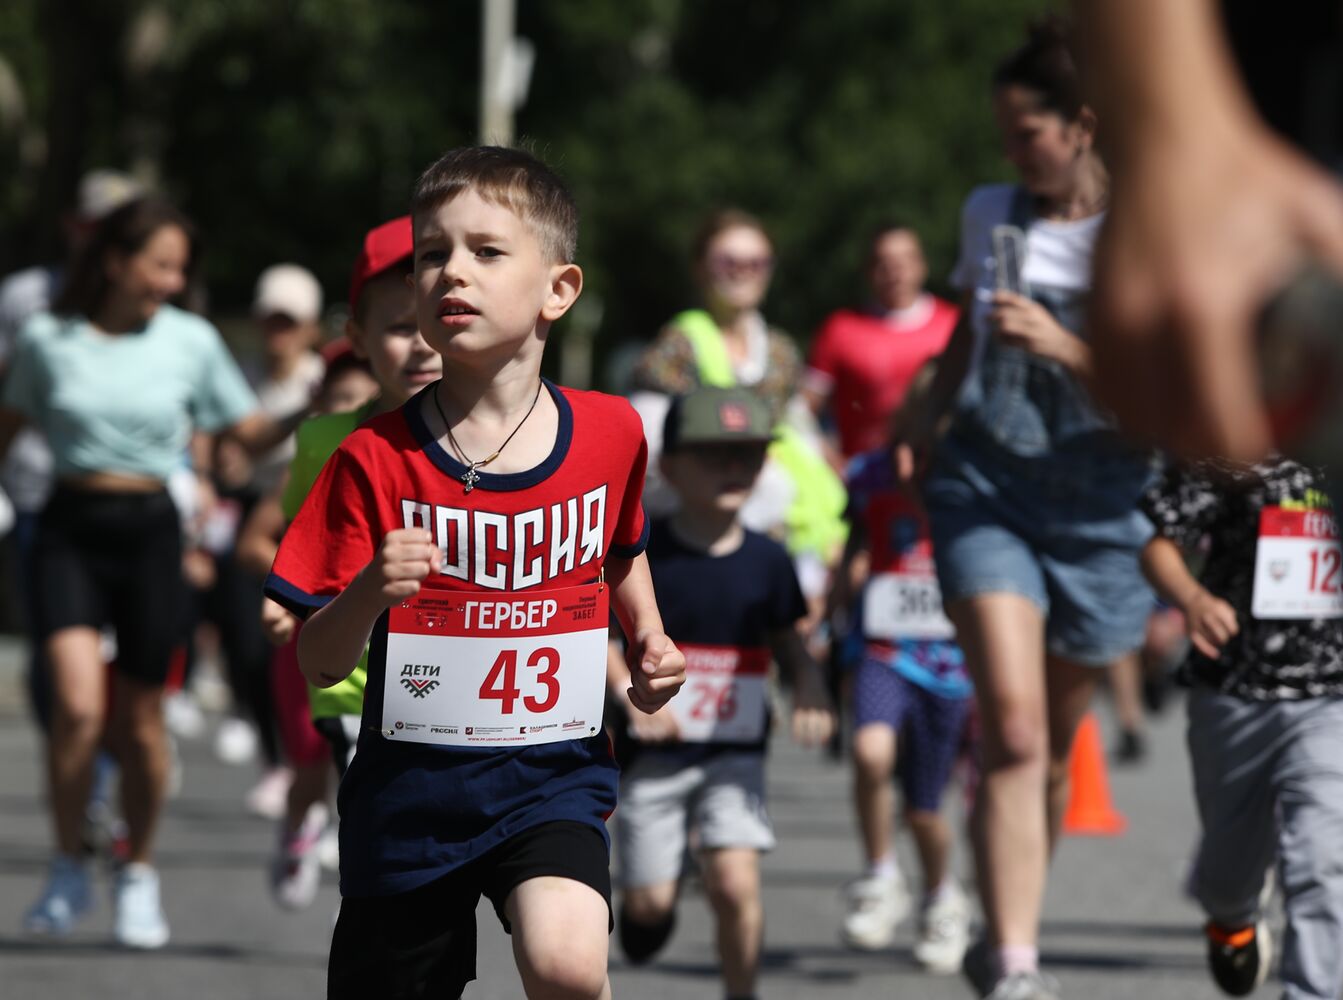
{"x":1049,"y":30}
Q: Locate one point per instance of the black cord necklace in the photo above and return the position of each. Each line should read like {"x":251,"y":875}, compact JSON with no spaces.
{"x":470,"y":477}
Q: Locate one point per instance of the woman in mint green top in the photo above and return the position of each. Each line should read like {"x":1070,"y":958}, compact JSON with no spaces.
{"x":118,"y":380}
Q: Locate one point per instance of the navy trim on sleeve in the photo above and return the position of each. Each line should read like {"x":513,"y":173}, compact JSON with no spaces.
{"x":293,"y":599}
{"x":632,"y":551}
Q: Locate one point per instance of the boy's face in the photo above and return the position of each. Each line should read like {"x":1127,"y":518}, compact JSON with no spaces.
{"x":483,"y":286}
{"x":285,"y":337}
{"x":389,"y":338}
{"x":714,"y":478}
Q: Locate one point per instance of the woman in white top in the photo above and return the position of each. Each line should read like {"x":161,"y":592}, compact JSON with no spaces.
{"x":1032,"y":497}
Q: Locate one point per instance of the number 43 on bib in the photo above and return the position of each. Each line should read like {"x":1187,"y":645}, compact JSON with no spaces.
{"x":492,"y":671}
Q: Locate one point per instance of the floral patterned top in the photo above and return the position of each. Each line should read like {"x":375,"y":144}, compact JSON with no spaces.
{"x":669,"y":366}
{"x":1269,"y":660}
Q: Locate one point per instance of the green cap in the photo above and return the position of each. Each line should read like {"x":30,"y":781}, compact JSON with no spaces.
{"x":716,"y":416}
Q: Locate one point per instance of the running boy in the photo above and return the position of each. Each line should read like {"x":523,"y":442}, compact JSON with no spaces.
{"x":733,"y":597}
{"x":381,"y":331}
{"x":474,"y":538}
{"x":910,"y":691}
{"x":1266,"y":711}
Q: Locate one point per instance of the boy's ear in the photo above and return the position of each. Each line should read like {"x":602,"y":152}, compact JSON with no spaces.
{"x":355,"y":334}
{"x":566,"y":284}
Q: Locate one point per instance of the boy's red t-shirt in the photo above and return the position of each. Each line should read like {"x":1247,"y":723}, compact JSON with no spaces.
{"x":867,"y":361}
{"x":411,"y":812}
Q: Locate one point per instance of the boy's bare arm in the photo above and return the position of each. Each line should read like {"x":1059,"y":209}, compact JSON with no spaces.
{"x":259,"y":539}
{"x":847,"y":580}
{"x":657,"y":668}
{"x":813,"y":716}
{"x":330,"y":644}
{"x":1211,"y":621}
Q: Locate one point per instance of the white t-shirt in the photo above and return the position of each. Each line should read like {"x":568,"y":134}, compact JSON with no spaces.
{"x":1058,"y":258}
{"x":280,"y":398}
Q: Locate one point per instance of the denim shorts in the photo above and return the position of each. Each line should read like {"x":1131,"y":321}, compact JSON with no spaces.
{"x":1056,"y":532}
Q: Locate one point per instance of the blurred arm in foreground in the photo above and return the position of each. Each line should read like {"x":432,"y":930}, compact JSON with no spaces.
{"x":1212,"y":215}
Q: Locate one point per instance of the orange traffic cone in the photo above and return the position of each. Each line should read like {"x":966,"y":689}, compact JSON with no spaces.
{"x":1090,"y":809}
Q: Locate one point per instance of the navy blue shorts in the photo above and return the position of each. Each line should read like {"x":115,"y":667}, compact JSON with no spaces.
{"x":930,"y":728}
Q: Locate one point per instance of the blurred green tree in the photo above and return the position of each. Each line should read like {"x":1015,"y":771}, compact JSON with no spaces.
{"x":287,"y":127}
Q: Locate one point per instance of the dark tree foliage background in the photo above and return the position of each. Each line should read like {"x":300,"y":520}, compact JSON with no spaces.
{"x":288,"y":127}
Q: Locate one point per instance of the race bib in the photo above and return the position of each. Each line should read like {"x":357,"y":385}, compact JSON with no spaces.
{"x":901,"y":599}
{"x":904,"y":606}
{"x":514,"y":670}
{"x":1297,"y":565}
{"x":724,"y":696}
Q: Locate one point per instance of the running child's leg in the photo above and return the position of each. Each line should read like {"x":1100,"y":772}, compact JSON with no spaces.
{"x":732,"y":881}
{"x":420,"y":943}
{"x":1231,"y":747}
{"x":647,"y":919}
{"x":932,"y":738}
{"x":734,"y":829}
{"x":650,"y":832}
{"x":561,"y":930}
{"x":551,"y":889}
{"x":878,"y":900}
{"x":1310,"y":799}
{"x":874,"y":790}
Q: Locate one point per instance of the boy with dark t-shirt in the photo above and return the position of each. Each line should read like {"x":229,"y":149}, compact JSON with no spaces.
{"x":732,"y":597}
{"x":474,"y":538}
{"x":1265,"y":620}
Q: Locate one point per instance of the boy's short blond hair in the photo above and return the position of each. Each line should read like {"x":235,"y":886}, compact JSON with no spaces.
{"x":512,"y":178}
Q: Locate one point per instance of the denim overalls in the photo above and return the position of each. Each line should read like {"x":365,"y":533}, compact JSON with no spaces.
{"x":1033,"y":491}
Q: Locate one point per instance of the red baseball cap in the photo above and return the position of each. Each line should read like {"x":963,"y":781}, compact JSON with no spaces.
{"x":384,"y":246}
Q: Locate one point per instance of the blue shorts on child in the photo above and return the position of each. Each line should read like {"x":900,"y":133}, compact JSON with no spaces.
{"x":920,"y":690}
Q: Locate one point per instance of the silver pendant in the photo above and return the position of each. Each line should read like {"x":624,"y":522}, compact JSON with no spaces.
{"x":470,"y":477}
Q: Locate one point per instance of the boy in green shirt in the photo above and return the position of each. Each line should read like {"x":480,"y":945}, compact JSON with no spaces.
{"x":382,"y":329}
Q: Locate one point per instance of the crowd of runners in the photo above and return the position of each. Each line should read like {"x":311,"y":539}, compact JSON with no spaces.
{"x":542,"y":637}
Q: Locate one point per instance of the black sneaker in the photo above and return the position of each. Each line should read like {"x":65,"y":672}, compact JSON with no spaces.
{"x":1239,"y":959}
{"x":1131,"y":748}
{"x":980,"y":967}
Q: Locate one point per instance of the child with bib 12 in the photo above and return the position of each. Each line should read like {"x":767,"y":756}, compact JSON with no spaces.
{"x":1265,"y":619}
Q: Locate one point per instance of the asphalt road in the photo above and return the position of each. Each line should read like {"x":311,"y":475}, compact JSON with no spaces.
{"x":1116,"y":925}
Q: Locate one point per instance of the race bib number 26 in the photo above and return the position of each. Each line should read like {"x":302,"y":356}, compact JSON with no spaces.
{"x":483,"y":670}
{"x":1298,"y":566}
{"x":724,"y":699}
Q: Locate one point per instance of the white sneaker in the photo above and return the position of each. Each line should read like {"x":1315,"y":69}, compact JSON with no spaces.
{"x":183,"y":716}
{"x":269,"y":797}
{"x":296,"y":871}
{"x":875,"y":908}
{"x":944,"y":932}
{"x":236,"y":741}
{"x":65,"y":898}
{"x":139,"y":921}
